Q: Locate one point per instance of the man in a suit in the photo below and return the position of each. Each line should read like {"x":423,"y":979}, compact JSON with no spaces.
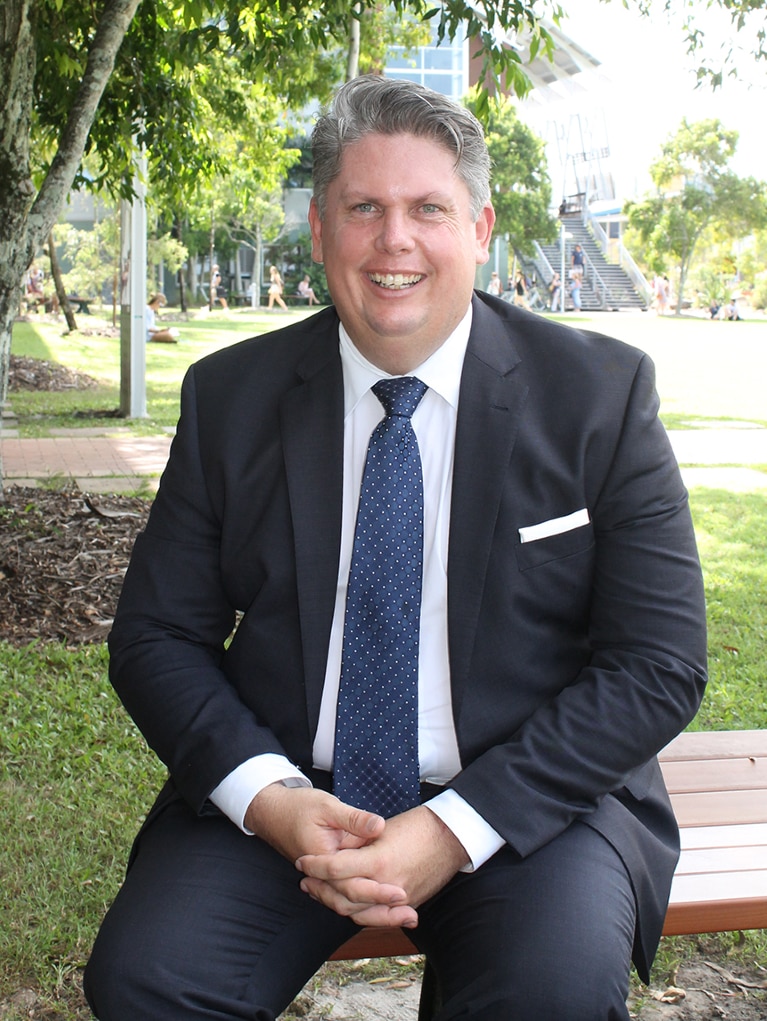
{"x":555,"y":635}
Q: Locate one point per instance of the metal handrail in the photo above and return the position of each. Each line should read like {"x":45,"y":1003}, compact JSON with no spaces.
{"x":602,"y":290}
{"x":542,"y":265}
{"x":625,"y":260}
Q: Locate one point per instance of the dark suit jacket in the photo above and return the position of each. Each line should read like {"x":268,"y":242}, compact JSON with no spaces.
{"x":574,"y":658}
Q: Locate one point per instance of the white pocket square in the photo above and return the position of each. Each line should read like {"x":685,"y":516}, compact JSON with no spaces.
{"x":555,"y":526}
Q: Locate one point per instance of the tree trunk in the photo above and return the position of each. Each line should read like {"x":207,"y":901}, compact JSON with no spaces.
{"x":211,"y":257}
{"x":58,"y":283}
{"x":353,"y":54}
{"x":17,"y":73}
{"x":25,"y":224}
{"x":178,"y":234}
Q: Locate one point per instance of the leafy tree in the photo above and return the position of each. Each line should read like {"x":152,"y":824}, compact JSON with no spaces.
{"x":521,"y":184}
{"x":113,"y":75}
{"x":752,"y":259}
{"x":717,"y":59}
{"x":695,"y":190}
{"x":94,"y":257}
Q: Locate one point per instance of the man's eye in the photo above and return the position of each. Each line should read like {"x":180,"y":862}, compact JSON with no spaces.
{"x":364,"y":207}
{"x":429,"y":207}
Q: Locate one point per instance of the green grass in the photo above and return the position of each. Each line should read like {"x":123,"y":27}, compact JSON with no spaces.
{"x":707,"y":371}
{"x":732,"y":538}
{"x":75,"y":776}
{"x":98,"y":356}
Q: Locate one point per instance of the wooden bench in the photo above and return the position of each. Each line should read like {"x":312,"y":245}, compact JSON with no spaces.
{"x":82,"y":304}
{"x":718,"y":787}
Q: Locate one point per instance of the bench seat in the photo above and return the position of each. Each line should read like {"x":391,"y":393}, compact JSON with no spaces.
{"x":718,"y":786}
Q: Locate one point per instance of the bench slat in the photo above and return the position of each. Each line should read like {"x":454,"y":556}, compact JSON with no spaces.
{"x":743,"y":773}
{"x":718,"y":903}
{"x":715,"y":916}
{"x":723,"y":836}
{"x":713,"y":860}
{"x":720,"y":808}
{"x":715,"y":744}
{"x":375,"y":943}
{"x":718,"y":785}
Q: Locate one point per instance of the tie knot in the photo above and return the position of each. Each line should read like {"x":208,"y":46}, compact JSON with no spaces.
{"x":400,"y":396}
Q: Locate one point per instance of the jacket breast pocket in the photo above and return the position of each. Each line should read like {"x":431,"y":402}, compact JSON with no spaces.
{"x":555,"y":547}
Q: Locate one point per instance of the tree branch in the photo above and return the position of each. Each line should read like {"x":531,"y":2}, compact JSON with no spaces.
{"x":113,"y":24}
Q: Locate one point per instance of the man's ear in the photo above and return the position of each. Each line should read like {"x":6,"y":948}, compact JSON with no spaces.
{"x":484,"y":229}
{"x":315,"y":225}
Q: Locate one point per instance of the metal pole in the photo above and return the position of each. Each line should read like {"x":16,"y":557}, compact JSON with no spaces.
{"x":562,"y":274}
{"x":133,"y":300}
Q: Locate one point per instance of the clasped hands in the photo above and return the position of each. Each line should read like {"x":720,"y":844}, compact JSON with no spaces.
{"x":374,"y":871}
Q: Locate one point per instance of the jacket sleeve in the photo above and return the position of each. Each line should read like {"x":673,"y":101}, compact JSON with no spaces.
{"x":171,"y":627}
{"x":642,"y":630}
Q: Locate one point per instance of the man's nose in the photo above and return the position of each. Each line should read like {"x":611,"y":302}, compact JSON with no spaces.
{"x":395,"y":233}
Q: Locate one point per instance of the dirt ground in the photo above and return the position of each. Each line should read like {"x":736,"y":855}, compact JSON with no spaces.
{"x":703,"y":990}
{"x":63,"y":555}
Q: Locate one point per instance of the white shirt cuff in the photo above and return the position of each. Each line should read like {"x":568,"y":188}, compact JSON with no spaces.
{"x":236,"y":791}
{"x":479,"y":839}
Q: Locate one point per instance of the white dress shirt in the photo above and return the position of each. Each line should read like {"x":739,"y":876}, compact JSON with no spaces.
{"x":434,"y":423}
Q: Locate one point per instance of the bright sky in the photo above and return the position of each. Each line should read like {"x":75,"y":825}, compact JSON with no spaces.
{"x":646,"y":84}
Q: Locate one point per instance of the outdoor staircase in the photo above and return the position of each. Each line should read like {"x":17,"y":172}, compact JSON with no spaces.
{"x":606,"y":286}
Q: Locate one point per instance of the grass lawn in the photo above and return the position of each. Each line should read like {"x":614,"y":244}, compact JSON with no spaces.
{"x":99,"y":356}
{"x":706,"y":370}
{"x":75,"y":776}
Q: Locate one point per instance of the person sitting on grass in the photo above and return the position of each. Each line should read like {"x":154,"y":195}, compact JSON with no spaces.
{"x":160,"y":335}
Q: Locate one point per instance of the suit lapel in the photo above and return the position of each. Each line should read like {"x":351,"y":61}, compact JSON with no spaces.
{"x":490,"y":405}
{"x":312,"y":433}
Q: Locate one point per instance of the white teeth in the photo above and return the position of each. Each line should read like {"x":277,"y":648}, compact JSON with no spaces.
{"x":394,"y":280}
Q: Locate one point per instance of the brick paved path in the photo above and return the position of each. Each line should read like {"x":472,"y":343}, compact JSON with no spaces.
{"x":117,"y":460}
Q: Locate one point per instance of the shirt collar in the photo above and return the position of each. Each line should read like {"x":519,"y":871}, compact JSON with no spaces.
{"x":441,"y":372}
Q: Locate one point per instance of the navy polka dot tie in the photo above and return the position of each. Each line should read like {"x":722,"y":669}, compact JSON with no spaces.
{"x":376,"y":753}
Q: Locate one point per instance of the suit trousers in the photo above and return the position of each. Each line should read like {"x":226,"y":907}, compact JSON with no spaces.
{"x":211,"y":924}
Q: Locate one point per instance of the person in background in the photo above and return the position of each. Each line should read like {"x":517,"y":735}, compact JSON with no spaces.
{"x":306,"y":291}
{"x":154,"y":333}
{"x":217,"y":289}
{"x":276,"y":287}
{"x":555,"y":290}
{"x":577,"y":262}
{"x":34,"y":286}
{"x":469,"y":614}
{"x":495,"y":286}
{"x":661,"y":291}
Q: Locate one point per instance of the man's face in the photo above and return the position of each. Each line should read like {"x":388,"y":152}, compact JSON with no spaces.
{"x":400,"y":247}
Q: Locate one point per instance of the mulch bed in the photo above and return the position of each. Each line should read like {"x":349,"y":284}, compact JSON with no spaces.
{"x":38,"y":374}
{"x":63,"y":553}
{"x":63,"y":556}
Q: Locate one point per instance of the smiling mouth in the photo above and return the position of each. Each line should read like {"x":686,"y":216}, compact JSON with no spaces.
{"x":395,"y":281}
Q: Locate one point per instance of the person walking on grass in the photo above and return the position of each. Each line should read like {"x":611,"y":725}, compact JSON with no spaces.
{"x":276,"y":287}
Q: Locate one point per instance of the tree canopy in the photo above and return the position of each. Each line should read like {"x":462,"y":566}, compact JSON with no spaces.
{"x":109,"y":78}
{"x":521,"y":186}
{"x":695,"y":190}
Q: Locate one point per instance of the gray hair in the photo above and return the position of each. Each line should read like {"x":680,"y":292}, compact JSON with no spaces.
{"x":391,"y":106}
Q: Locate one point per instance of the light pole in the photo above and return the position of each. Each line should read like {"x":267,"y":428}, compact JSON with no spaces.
{"x":563,"y":235}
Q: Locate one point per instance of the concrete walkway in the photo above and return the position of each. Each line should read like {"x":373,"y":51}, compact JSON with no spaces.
{"x":117,"y":460}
